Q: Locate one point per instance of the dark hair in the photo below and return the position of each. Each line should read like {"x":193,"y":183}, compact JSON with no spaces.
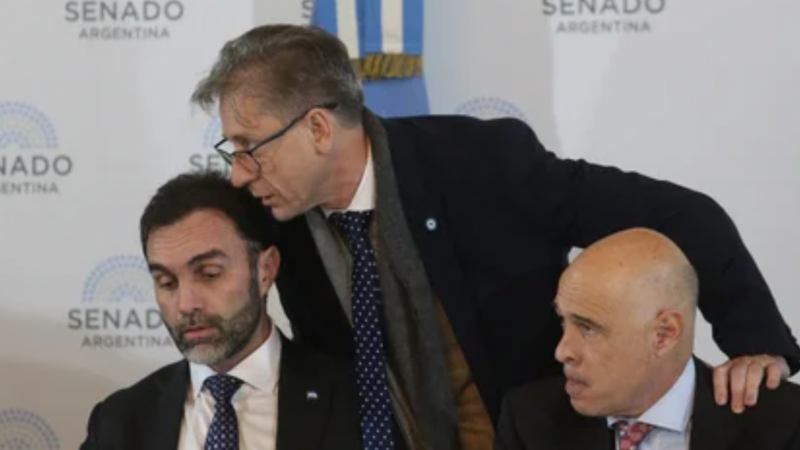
{"x":209,"y":190}
{"x":290,"y":68}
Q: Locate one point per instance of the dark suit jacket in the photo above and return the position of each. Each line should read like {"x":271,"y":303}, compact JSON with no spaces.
{"x":539,"y":416}
{"x":148,"y":415}
{"x":506,"y":213}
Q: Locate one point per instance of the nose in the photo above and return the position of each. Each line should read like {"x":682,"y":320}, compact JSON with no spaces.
{"x":241,"y":176}
{"x":565,"y":350}
{"x":188,"y":300}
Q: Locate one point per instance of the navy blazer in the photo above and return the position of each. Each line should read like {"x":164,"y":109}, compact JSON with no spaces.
{"x":494,"y":216}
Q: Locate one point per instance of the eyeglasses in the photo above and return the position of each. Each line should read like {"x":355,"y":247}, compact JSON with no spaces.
{"x":228,"y":153}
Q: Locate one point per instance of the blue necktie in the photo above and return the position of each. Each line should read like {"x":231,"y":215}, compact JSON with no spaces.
{"x":373,"y":390}
{"x":223,"y":434}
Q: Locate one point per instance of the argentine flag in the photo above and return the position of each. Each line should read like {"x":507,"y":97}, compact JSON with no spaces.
{"x":384,"y":40}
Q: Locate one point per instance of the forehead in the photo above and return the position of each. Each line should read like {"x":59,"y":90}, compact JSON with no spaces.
{"x":586,"y":295}
{"x":197,"y":232}
{"x":242,"y":114}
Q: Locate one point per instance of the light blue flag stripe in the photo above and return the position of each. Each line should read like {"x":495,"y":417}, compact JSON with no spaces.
{"x":412,"y":27}
{"x":391,"y":97}
{"x":371,"y":25}
{"x":324,"y":16}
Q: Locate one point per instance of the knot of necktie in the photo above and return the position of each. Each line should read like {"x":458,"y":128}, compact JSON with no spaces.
{"x":222,"y":387}
{"x":631,"y":434}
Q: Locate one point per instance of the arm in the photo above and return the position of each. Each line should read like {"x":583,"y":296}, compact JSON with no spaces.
{"x":576,"y":203}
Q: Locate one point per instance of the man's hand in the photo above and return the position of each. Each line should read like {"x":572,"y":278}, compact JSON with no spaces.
{"x":745,"y":374}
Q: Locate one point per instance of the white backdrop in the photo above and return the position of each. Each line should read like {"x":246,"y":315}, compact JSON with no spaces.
{"x":94,"y":116}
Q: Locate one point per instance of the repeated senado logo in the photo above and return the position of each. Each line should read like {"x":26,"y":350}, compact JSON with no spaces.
{"x":603,"y":16}
{"x":22,"y":429}
{"x":118,"y":308}
{"x":208,"y":158}
{"x":124,"y":20}
{"x":490,"y":108}
{"x":30,"y":163}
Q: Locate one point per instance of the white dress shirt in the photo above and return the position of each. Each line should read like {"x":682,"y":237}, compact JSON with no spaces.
{"x":670,"y":415}
{"x":256,"y":401}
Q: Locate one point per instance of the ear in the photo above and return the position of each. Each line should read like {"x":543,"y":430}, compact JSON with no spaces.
{"x":668,"y":327}
{"x":321,"y":125}
{"x":269,"y":261}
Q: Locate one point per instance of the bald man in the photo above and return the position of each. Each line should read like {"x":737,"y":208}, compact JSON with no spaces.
{"x":630,"y":380}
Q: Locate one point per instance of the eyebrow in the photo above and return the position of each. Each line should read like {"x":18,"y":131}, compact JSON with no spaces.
{"x":211,"y":254}
{"x":195,"y":260}
{"x":586,"y":321}
{"x":156,"y":267}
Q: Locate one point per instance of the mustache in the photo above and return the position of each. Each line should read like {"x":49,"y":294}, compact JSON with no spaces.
{"x":197,"y":320}
{"x":570,"y":376}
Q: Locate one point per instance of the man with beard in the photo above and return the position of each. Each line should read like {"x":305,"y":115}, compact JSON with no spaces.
{"x":212,"y":255}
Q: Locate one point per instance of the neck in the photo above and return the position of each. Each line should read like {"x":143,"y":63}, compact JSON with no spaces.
{"x":262,"y":333}
{"x":662,"y":380}
{"x":348,"y":168}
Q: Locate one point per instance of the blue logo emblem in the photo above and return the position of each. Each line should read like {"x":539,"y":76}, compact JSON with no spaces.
{"x":22,"y":430}
{"x":123,"y":278}
{"x":490,"y":108}
{"x":25,"y":127}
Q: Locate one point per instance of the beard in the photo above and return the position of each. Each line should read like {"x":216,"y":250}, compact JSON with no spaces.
{"x":230,"y":335}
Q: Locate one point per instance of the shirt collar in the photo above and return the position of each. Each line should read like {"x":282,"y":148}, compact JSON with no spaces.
{"x":364,"y":198}
{"x":260,"y":370}
{"x":673,"y":410}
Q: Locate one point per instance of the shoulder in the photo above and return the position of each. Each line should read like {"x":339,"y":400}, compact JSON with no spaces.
{"x":545,"y":396}
{"x":779,"y":407}
{"x":538,"y":414}
{"x":459,"y":128}
{"x":132,"y":398}
{"x":463,"y":149}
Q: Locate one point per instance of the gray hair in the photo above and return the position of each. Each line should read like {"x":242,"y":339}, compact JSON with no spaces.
{"x":289,"y":68}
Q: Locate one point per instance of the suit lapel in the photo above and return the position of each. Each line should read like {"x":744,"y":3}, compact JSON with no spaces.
{"x":422,"y":204}
{"x":713,"y":427}
{"x":162,"y":429}
{"x":409,"y":307}
{"x":304,"y":401}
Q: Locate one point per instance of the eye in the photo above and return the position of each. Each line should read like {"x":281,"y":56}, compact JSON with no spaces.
{"x":165,"y":283}
{"x":585,"y":328}
{"x":210,"y":272}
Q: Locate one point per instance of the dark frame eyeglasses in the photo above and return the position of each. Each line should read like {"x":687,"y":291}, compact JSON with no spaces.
{"x":246,"y":157}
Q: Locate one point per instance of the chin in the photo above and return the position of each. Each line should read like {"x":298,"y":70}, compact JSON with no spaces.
{"x":588,"y":409}
{"x":283,"y":214}
{"x":205,"y":354}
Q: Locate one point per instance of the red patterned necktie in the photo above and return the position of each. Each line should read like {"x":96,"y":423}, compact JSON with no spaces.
{"x":631,"y":434}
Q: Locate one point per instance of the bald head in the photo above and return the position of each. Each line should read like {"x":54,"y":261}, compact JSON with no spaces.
{"x":628,"y":303}
{"x":643,"y":270}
